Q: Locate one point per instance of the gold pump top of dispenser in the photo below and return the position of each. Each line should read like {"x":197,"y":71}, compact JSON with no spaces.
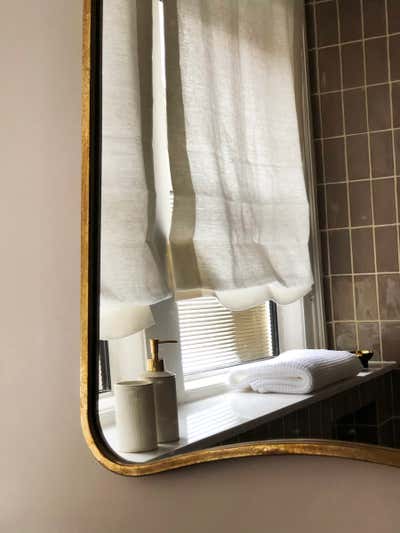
{"x":155,"y":364}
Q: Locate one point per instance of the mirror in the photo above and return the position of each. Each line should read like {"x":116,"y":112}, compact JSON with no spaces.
{"x":240,"y":264}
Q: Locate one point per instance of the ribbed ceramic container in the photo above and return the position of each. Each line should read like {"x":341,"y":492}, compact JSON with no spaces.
{"x":166,"y":405}
{"x":135,"y":416}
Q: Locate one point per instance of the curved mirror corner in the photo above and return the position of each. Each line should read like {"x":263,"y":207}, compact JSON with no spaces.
{"x":241,"y":277}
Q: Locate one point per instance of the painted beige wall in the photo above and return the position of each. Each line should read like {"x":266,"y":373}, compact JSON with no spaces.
{"x":49,"y":482}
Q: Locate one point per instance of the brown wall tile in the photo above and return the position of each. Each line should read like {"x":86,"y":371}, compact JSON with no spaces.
{"x":396,"y":104}
{"x":393,"y":7}
{"x":312,"y":65}
{"x":350,"y":20}
{"x":391,"y":341}
{"x":316,"y":117}
{"x":366,"y":300}
{"x":376,"y":60}
{"x":374,"y":18}
{"x":397,"y":185}
{"x":353,"y":65}
{"x":360,"y":203}
{"x":389,"y":296}
{"x":321,"y":207}
{"x":394,"y":50}
{"x":342,"y":296}
{"x":379,"y":107}
{"x":357,"y":156}
{"x":334,"y":158}
{"x":336,"y":196}
{"x":384,"y":201}
{"x":327,"y":299}
{"x":318,"y":161}
{"x":324,"y":252}
{"x":331,"y":114}
{"x":345,"y":335}
{"x":354,"y":111}
{"x":339,"y":252}
{"x":330,"y":338}
{"x":386,"y":249}
{"x":396,"y":140}
{"x":329,"y":70}
{"x":310,"y":23}
{"x":368,"y":338}
{"x":364,"y":154}
{"x":363,"y":250}
{"x":381,"y":154}
{"x":326,"y":18}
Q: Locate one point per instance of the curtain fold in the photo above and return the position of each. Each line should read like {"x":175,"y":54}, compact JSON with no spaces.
{"x":133,"y":270}
{"x":240,"y":225}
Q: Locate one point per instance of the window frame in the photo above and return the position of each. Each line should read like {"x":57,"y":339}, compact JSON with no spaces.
{"x":104,"y":368}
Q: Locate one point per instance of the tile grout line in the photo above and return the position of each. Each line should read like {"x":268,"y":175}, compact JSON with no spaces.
{"x":344,"y":274}
{"x":357,"y":133}
{"x":353,"y":134}
{"x":346,"y":170}
{"x":355,"y":41}
{"x":370,"y":180}
{"x":368,"y":321}
{"x":358,"y":180}
{"x":367,"y":226}
{"x":357,"y":88}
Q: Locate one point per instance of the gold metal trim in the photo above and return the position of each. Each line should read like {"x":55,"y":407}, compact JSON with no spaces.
{"x":85,"y":125}
{"x":328,"y":448}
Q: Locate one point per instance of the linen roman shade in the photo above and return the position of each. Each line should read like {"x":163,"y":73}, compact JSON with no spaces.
{"x":240,"y":224}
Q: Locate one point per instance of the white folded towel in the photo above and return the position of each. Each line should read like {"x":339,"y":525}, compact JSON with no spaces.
{"x":296,"y":371}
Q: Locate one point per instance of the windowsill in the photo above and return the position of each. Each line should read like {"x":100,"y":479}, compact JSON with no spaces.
{"x":207,"y":422}
{"x":215,"y":383}
{"x":206,"y":382}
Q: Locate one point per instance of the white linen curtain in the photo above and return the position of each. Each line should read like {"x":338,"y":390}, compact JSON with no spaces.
{"x":133,"y":270}
{"x":240,"y":225}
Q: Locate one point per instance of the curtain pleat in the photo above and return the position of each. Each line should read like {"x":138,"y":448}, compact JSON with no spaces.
{"x":133,"y":270}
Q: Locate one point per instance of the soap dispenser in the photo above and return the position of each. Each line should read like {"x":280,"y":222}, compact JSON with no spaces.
{"x":165,"y":400}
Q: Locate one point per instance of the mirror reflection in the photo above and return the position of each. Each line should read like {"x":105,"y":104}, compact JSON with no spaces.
{"x":249,"y":262}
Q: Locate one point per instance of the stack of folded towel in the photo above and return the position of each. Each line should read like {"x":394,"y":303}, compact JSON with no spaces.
{"x":296,"y":371}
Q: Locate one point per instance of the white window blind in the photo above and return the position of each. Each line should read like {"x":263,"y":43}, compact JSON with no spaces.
{"x":213,"y":337}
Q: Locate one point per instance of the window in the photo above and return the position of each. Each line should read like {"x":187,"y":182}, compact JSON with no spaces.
{"x":211,"y":340}
{"x":214,"y":338}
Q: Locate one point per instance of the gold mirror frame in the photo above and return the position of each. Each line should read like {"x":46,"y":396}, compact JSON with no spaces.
{"x":91,"y":102}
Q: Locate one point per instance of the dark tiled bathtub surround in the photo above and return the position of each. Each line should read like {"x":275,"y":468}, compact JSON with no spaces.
{"x":354,"y":48}
{"x":368,"y":413}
